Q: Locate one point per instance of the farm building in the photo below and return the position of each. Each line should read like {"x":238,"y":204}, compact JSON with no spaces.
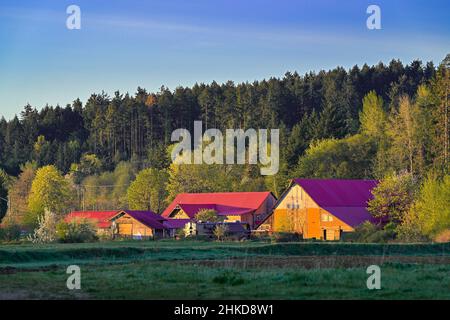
{"x":138,"y":224}
{"x":248,"y":208}
{"x":322,"y":208}
{"x":101,"y":219}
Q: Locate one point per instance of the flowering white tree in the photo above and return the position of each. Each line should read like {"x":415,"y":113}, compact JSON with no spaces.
{"x":46,"y":230}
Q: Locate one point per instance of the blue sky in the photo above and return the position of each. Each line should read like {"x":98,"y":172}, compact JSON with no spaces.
{"x":126,"y":44}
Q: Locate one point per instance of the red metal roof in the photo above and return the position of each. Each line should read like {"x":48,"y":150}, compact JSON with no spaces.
{"x":236,"y":202}
{"x":345,"y":199}
{"x":101,"y":218}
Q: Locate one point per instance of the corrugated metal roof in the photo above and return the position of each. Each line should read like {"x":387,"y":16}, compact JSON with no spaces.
{"x":345,"y":199}
{"x":148,"y":218}
{"x":176,"y":223}
{"x":101,"y":218}
{"x":338,"y":193}
{"x":241,"y":200}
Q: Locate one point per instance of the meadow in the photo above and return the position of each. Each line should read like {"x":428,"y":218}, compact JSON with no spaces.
{"x":170,"y":269}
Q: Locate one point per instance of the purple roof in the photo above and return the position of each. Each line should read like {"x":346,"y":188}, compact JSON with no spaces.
{"x":353,"y":216}
{"x":175,"y":223}
{"x":148,"y":218}
{"x":338,"y":193}
{"x":233,"y":211}
{"x":150,"y":214}
{"x":345,"y":199}
{"x":192,"y":209}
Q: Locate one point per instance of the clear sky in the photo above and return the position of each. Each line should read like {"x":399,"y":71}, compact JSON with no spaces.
{"x":130,"y":43}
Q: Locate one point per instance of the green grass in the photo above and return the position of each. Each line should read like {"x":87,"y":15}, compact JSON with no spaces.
{"x":231,"y":270}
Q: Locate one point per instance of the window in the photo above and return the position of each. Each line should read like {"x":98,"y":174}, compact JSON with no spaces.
{"x":326,"y":217}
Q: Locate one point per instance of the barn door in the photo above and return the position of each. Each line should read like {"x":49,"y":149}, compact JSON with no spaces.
{"x":313,"y":223}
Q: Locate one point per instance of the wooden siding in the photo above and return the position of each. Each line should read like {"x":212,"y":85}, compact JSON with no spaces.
{"x":127,"y":226}
{"x":298,"y":213}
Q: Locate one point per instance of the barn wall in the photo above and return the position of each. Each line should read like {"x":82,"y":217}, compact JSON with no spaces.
{"x":128,"y":226}
{"x":180,"y":215}
{"x":297,"y":212}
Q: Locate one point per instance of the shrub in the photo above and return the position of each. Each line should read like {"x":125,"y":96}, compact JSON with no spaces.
{"x":180,"y":234}
{"x":220,"y":231}
{"x":10,"y":232}
{"x":371,"y":233}
{"x":443,"y":237}
{"x":285,"y":237}
{"x":229,"y":278}
{"x":77,"y":231}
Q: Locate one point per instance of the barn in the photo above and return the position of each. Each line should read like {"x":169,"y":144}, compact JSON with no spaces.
{"x":322,"y":208}
{"x":248,"y":208}
{"x":138,"y":225}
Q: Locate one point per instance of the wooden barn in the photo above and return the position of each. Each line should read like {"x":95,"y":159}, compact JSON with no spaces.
{"x":138,"y":225}
{"x":248,"y":208}
{"x":322,"y":208}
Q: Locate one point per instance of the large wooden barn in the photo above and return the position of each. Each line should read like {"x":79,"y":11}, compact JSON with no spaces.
{"x":248,"y":208}
{"x":322,"y":208}
{"x":138,"y":224}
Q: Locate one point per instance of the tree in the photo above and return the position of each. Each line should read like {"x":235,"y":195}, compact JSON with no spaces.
{"x":148,"y":191}
{"x":3,"y":194}
{"x":392,"y":198}
{"x":441,"y":90}
{"x":19,"y":193}
{"x":108,"y":191}
{"x":49,"y":191}
{"x":349,"y":158}
{"x":46,"y":230}
{"x":405,"y":149}
{"x":220,"y":231}
{"x":192,"y":178}
{"x":89,"y":165}
{"x":207,"y":215}
{"x":373,"y":117}
{"x":429,"y":215}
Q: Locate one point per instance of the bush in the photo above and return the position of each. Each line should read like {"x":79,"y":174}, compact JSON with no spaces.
{"x":10,"y":233}
{"x":443,"y":237}
{"x":229,"y":278}
{"x":285,"y":237}
{"x":370,"y":233}
{"x":77,"y":231}
{"x":180,"y":234}
{"x":220,"y":231}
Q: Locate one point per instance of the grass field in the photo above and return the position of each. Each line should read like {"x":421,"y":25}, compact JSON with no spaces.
{"x":234,"y":270}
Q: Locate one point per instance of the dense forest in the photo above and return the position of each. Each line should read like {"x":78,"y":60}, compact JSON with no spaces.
{"x":366,"y":122}
{"x":126,"y":127}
